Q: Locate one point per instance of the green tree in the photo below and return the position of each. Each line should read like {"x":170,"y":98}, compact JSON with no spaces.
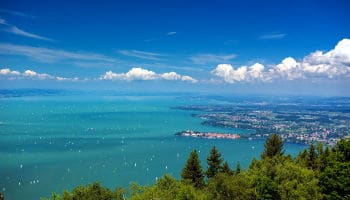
{"x":89,"y":192}
{"x":238,"y":168}
{"x":137,"y":190}
{"x":55,"y":196}
{"x":192,"y":172}
{"x":166,"y":187}
{"x":119,"y":194}
{"x":189,"y":192}
{"x":273,"y":147}
{"x":214,"y":161}
{"x":226,"y":169}
{"x":312,"y":158}
{"x":295,"y":182}
{"x":261,"y":174}
{"x":335,"y":177}
{"x":224,"y":186}
{"x":324,"y":158}
{"x":281,"y":178}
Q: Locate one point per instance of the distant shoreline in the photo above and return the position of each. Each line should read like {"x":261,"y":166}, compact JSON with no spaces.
{"x":207,"y":135}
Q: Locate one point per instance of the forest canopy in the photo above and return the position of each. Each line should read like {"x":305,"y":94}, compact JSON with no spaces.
{"x":318,"y":172}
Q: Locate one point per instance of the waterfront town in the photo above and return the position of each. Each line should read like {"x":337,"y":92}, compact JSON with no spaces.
{"x":325,"y":122}
{"x":208,"y":135}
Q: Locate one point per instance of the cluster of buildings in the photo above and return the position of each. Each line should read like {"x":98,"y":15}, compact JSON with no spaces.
{"x":293,"y":123}
{"x":208,"y":135}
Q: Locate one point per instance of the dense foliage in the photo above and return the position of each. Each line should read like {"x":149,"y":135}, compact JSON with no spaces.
{"x":273,"y":147}
{"x":192,"y":172}
{"x":316,"y":173}
{"x":214,"y":162}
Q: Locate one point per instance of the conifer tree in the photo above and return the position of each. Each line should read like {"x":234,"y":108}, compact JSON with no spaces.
{"x":192,"y":172}
{"x":334,"y":179}
{"x":238,"y":168}
{"x":226,"y":169}
{"x":323,"y":158}
{"x":273,"y":147}
{"x":214,"y":161}
{"x":312,"y":159}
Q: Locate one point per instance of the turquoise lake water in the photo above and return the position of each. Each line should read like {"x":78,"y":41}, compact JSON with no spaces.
{"x":52,"y":143}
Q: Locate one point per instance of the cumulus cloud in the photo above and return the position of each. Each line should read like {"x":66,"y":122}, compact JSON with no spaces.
{"x":9,"y":74}
{"x":289,"y":69}
{"x":131,"y":75}
{"x":319,"y":64}
{"x":140,"y":74}
{"x":33,"y":74}
{"x":229,"y":74}
{"x":144,"y":74}
{"x":171,"y":76}
{"x":189,"y":79}
{"x":256,"y":71}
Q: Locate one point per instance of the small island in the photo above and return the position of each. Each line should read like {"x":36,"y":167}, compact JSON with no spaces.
{"x":208,"y":135}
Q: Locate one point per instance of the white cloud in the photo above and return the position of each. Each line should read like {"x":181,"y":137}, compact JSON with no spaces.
{"x":171,"y":76}
{"x":33,"y":74}
{"x":109,"y":75}
{"x":140,"y":74}
{"x":224,"y":71}
{"x":49,"y":55}
{"x":67,"y":79}
{"x":289,"y":69}
{"x":7,"y":73}
{"x":144,"y":74}
{"x":256,"y":71}
{"x":211,"y":58}
{"x":189,"y":79}
{"x":131,"y":75}
{"x":231,"y":75}
{"x":15,"y":30}
{"x":271,"y":36}
{"x":30,"y":73}
{"x":331,"y":64}
{"x":141,"y":54}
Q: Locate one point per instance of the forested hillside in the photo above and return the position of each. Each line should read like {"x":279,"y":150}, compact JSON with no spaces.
{"x":316,"y":173}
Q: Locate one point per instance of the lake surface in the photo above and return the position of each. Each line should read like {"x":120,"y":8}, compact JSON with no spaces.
{"x":55,"y":142}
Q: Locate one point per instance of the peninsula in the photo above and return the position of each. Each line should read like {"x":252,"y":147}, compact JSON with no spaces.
{"x":208,"y":135}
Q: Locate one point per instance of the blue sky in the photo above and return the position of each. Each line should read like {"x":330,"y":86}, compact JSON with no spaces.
{"x":274,"y":47}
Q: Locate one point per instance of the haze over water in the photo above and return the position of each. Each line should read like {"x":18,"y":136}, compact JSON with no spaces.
{"x":52,"y":143}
